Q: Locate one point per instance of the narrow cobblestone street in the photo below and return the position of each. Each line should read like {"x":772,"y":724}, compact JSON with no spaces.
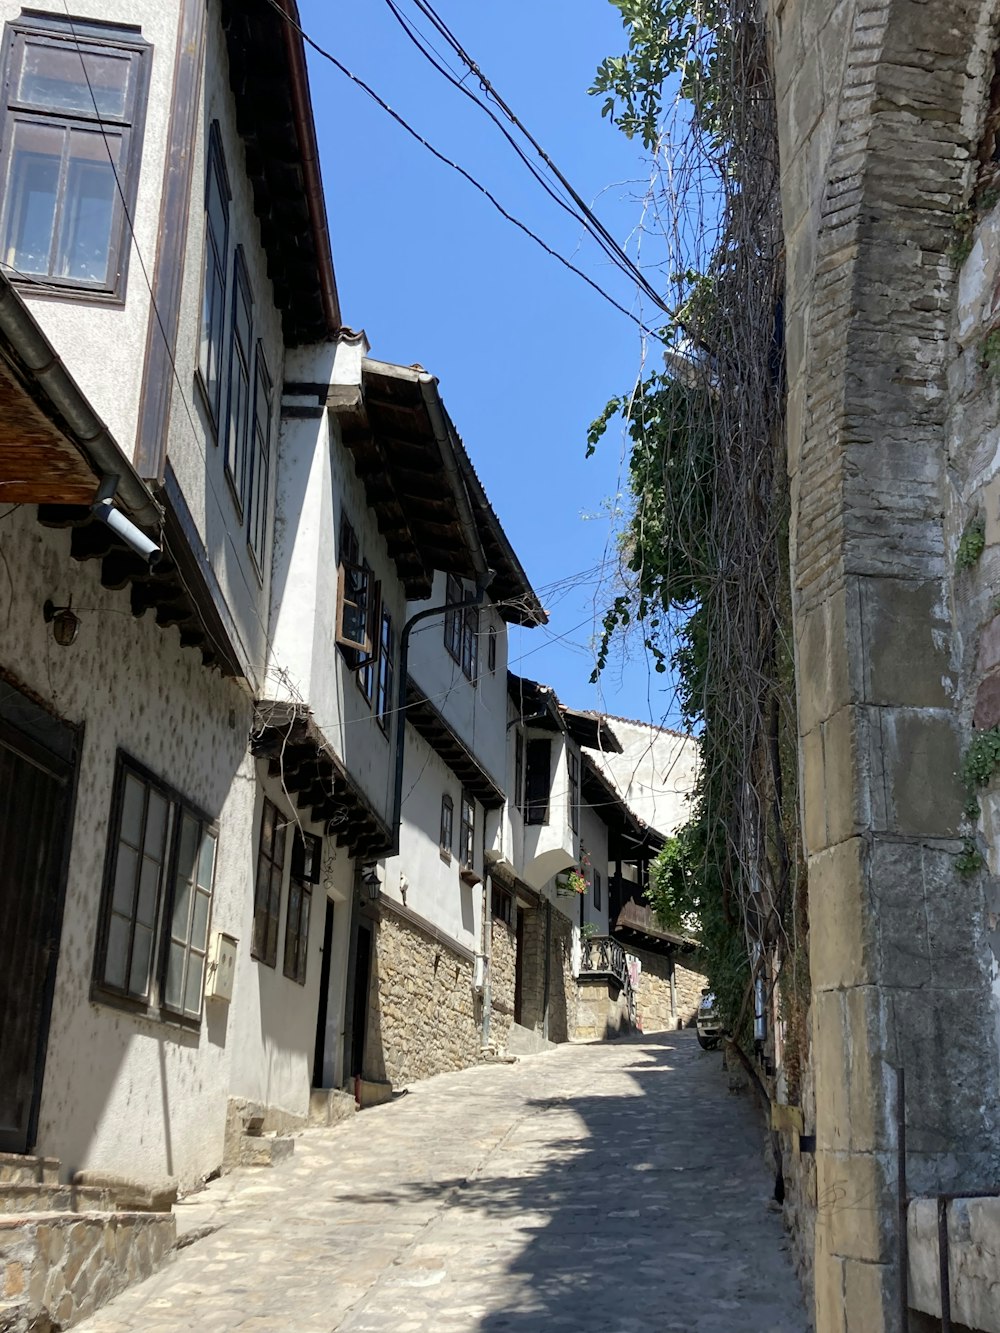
{"x":613,"y":1187}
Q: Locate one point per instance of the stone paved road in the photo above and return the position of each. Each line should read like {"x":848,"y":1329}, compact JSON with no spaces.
{"x":615,"y":1188}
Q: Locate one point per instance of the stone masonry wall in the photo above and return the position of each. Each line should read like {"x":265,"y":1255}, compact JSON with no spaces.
{"x":562,"y":983}
{"x":422,"y":1014}
{"x":502,"y":976}
{"x":880,"y":106}
{"x":654,"y":1008}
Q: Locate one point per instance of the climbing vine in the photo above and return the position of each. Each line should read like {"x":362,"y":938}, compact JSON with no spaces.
{"x":704,"y":546}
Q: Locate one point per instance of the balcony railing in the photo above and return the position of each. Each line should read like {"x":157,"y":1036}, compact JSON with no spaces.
{"x":605,"y":955}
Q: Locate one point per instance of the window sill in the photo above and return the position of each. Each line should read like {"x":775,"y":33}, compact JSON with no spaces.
{"x":468,"y":876}
{"x":140,"y":1009}
{"x":44,"y":289}
{"x":445,"y":855}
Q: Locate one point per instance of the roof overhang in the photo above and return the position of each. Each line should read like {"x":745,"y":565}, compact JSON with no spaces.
{"x":422,"y":715}
{"x":301,"y":757}
{"x":270,"y":84}
{"x":536,"y":704}
{"x":590,"y":729}
{"x":419,"y":481}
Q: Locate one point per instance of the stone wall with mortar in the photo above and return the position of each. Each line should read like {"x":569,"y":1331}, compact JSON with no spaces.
{"x":503,"y":963}
{"x":880,"y":107}
{"x":656,"y":1008}
{"x":422,"y":1014}
{"x":562,"y":983}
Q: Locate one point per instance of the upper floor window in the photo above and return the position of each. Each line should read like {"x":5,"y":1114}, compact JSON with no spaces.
{"x":519,"y":769}
{"x":461,"y":629}
{"x":574,"y":792}
{"x":240,"y":362}
{"x":467,"y":833}
{"x":597,"y":890}
{"x":75,"y":96}
{"x":153,"y":935}
{"x":447,"y":820}
{"x":386,"y":671}
{"x":260,"y":460}
{"x":537,"y":780}
{"x":491,"y":651}
{"x":267,"y":891}
{"x":213,"y":292}
{"x":304,"y":873}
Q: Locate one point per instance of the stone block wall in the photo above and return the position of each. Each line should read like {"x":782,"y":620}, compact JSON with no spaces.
{"x":601,"y":1009}
{"x":561,"y":1016}
{"x":880,"y":108}
{"x":655,"y":1008}
{"x":689,"y":985}
{"x":503,"y":964}
{"x":422,"y":1013}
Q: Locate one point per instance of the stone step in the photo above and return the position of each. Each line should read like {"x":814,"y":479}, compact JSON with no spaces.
{"x":371,"y":1092}
{"x":265,"y":1149}
{"x":524,"y":1041}
{"x":24,"y":1169}
{"x":57,"y":1268}
{"x":37,"y":1198}
{"x":328,"y":1106}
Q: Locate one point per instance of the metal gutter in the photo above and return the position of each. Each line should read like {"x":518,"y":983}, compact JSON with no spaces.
{"x":86,"y":430}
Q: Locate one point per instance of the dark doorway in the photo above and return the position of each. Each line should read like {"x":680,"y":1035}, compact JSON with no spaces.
{"x":518,"y":963}
{"x":362,"y":978}
{"x":37,"y":758}
{"x":324,"y":999}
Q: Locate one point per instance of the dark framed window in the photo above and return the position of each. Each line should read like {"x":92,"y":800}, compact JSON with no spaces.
{"x":75,"y":99}
{"x":370,"y":617}
{"x":574,"y":792}
{"x":303,"y":874}
{"x":453,"y":619}
{"x":213,"y":288}
{"x":259,"y":478}
{"x":359,"y":609}
{"x":467,"y":830}
{"x":386,"y":672}
{"x":491,"y":651}
{"x":537,"y":780}
{"x":267,"y":888}
{"x":447,"y":826}
{"x":502,"y":903}
{"x":597,"y":890}
{"x":157,"y":904}
{"x":470,"y":643}
{"x":240,"y":352}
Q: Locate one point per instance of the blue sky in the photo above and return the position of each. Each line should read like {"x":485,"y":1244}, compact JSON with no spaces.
{"x":526,"y":353}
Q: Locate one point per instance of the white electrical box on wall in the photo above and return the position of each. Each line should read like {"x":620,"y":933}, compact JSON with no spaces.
{"x":221,"y":966}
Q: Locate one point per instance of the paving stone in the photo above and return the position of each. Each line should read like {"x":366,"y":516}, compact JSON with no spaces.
{"x":615,"y":1187}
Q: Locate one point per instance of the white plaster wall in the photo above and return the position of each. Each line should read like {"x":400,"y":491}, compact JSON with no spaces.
{"x":275,"y":1018}
{"x":434,"y":888}
{"x":316,"y":481}
{"x":477,"y":712}
{"x":655,"y":773}
{"x":121,"y":1092}
{"x":548,"y":848}
{"x":594,"y":837}
{"x":101,"y":345}
{"x":197,"y":459}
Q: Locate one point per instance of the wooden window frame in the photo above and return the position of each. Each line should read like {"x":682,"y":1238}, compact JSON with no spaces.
{"x":573,"y":769}
{"x":491,"y":651}
{"x":385,"y":674}
{"x":152,"y":1001}
{"x":214,"y":283}
{"x":239,"y":434}
{"x":597,"y":890}
{"x":446,"y":834}
{"x":452,"y":618}
{"x":467,"y":832}
{"x":267,"y":901}
{"x":519,"y":770}
{"x":259,"y":465}
{"x":96,"y":38}
{"x":536,"y":806}
{"x":501,"y":903}
{"x":304,"y":874}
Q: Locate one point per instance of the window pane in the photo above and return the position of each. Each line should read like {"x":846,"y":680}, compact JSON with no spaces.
{"x":88,"y":206}
{"x":156,"y":823}
{"x":187,"y":856}
{"x":70,"y":79}
{"x":206,"y":862}
{"x":132,"y":800}
{"x":175,"y":976}
{"x":36,"y":153}
{"x":199,"y":922}
{"x":126,"y":870}
{"x":182,"y":910}
{"x":142,"y":948}
{"x":192,"y":991}
{"x":117,"y":952}
{"x":303,"y":936}
{"x":149,"y":890}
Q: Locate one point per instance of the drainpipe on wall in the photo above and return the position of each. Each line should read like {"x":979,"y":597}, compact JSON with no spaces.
{"x":487,"y":955}
{"x":545,"y":988}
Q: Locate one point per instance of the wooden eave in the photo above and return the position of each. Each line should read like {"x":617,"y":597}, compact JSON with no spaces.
{"x":39,"y":463}
{"x":301,"y":758}
{"x":637,"y":924}
{"x":591,"y":730}
{"x":267,"y":74}
{"x":422,"y":715}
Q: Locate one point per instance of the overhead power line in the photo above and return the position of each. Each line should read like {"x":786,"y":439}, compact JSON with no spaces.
{"x":466,"y":175}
